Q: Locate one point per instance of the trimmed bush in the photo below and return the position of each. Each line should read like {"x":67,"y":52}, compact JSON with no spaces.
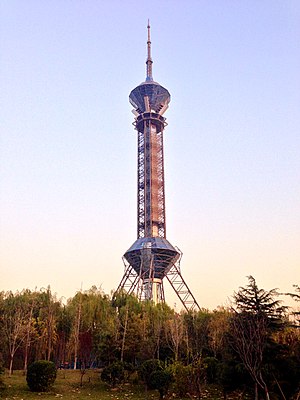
{"x":182,"y":378}
{"x":41,"y":375}
{"x":146,"y":370}
{"x":114,"y":373}
{"x":161,"y":380}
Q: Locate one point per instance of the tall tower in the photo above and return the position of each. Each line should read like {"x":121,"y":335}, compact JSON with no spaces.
{"x":152,"y":258}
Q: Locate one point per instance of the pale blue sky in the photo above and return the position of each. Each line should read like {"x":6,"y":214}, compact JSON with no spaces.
{"x":68,"y":147}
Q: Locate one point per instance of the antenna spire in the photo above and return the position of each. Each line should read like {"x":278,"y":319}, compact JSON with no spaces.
{"x":149,"y":61}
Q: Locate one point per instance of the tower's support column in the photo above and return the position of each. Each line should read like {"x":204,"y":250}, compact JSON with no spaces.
{"x":181,"y":288}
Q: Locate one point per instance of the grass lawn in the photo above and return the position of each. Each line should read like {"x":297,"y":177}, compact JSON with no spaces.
{"x":67,"y":385}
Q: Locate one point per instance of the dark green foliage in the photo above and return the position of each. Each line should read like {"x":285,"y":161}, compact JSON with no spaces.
{"x":114,"y":373}
{"x":231,"y":376}
{"x":259,"y":302}
{"x":282,"y":370}
{"x":198,"y":376}
{"x":287,"y":378}
{"x":106,"y":347}
{"x":147,"y":368}
{"x":41,"y":375}
{"x":257,"y":315}
{"x":251,"y":340}
{"x":160,"y":380}
{"x":295,"y":296}
{"x":197,"y":325}
{"x":189,"y":379}
{"x":182,"y":378}
{"x":211,"y":366}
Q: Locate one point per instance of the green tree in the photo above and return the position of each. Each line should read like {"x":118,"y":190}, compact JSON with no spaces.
{"x":129,"y":327}
{"x":197,"y":334}
{"x":48,"y":309}
{"x":64,"y":324}
{"x":30,"y":298}
{"x":157,"y":335}
{"x":256,"y":314}
{"x":92,"y":331}
{"x":15,"y":321}
{"x":252,"y":300}
{"x":295,"y":296}
{"x":218,"y":328}
{"x":175,"y":333}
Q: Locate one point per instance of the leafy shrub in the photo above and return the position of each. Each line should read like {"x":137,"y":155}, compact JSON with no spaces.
{"x":114,"y":373}
{"x":41,"y":375}
{"x":283,"y":373}
{"x":211,"y":367}
{"x":197,"y":378}
{"x":231,"y":376}
{"x":147,"y":368}
{"x":182,"y":378}
{"x":189,"y":379}
{"x":160,"y":380}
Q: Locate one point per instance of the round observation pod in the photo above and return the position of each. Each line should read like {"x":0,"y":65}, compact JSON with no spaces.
{"x":150,"y":97}
{"x":154,"y":251}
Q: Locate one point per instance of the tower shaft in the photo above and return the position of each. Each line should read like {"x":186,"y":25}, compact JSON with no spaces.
{"x":151,"y":188}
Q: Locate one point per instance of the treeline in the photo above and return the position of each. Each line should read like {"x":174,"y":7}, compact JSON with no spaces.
{"x":254,"y":344}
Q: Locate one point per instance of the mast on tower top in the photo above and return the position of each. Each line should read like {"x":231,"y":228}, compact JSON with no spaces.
{"x":149,"y":61}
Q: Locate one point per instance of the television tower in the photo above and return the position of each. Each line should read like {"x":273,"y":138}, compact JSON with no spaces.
{"x":151,"y":258}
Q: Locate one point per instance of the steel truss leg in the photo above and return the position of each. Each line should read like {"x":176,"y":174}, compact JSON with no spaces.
{"x":130,"y":279}
{"x":181,"y":288}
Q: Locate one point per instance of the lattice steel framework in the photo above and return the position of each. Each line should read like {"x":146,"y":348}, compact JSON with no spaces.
{"x":151,"y":257}
{"x":151,"y":186}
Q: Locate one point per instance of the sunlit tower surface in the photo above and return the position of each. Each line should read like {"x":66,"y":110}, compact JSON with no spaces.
{"x":152,"y":259}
